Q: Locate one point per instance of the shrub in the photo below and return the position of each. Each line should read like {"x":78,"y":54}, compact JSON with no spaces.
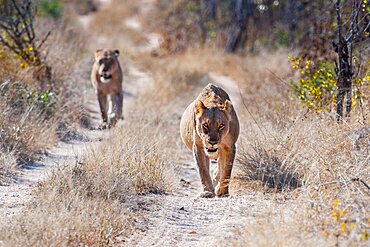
{"x":259,"y":164}
{"x":51,"y":8}
{"x":316,"y":87}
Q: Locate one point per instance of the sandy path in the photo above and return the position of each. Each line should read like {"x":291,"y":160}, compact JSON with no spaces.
{"x":189,"y":221}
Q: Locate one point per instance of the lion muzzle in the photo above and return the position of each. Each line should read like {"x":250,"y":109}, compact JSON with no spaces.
{"x":105,"y":78}
{"x":211,"y":151}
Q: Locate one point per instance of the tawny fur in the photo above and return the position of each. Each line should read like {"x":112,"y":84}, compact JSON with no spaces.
{"x":210,"y":128}
{"x":106,"y":78}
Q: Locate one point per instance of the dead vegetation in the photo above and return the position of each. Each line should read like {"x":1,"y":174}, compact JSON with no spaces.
{"x":306,"y":164}
{"x":36,"y":113}
{"x":305,"y":159}
{"x":92,"y":202}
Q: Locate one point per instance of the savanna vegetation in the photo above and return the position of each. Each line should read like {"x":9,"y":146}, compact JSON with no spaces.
{"x":301,"y":77}
{"x":40,"y":98}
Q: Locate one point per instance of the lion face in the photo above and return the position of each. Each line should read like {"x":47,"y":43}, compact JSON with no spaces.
{"x":212,"y":125}
{"x":107,"y":64}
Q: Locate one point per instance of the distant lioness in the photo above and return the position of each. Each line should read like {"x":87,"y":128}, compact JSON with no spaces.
{"x":106,"y":78}
{"x":210,"y":127}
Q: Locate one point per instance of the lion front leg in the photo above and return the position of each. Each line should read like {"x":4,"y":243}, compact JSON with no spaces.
{"x":225,"y":162}
{"x":103,"y":103}
{"x":217,"y":174}
{"x":205,"y":178}
{"x":117,"y":101}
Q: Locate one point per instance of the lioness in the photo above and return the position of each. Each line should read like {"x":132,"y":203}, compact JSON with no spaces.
{"x":106,"y":78}
{"x":210,"y":127}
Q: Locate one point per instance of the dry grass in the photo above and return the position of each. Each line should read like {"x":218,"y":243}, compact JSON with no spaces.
{"x":26,"y":129}
{"x":64,"y":218}
{"x":322,"y":155}
{"x":94,"y":201}
{"x":267,"y":167}
{"x":283,"y":144}
{"x":28,"y":124}
{"x":306,"y":158}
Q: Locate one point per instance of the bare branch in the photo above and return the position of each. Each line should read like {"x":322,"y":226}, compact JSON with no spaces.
{"x":43,"y":40}
{"x":345,"y":182}
{"x":16,"y":19}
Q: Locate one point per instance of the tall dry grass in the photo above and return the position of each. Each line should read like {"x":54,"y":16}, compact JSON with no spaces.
{"x":319,"y":169}
{"x":38,"y":113}
{"x":94,"y":201}
{"x":318,"y":166}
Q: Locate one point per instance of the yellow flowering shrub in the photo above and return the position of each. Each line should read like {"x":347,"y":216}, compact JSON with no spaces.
{"x":346,"y":222}
{"x":317,"y":84}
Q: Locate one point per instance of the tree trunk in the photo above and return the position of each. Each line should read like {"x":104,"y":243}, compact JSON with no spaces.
{"x":207,"y":13}
{"x":344,"y":77}
{"x":241,"y":10}
{"x":293,"y":21}
{"x":208,"y":8}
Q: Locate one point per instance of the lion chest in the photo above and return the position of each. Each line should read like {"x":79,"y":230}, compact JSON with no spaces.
{"x":114,"y":86}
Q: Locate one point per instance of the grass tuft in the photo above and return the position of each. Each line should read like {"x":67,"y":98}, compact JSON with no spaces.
{"x":260,"y":164}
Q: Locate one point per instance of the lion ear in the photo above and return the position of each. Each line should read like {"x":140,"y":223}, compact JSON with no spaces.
{"x":116,"y":52}
{"x":228,"y":106}
{"x":97,"y":53}
{"x":199,"y":107}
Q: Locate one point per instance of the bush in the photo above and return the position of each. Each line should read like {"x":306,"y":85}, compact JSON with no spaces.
{"x":51,"y":8}
{"x":263,"y":166}
{"x":316,"y":88}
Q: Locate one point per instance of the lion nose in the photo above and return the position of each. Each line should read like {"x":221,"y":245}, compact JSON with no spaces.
{"x":212,"y":142}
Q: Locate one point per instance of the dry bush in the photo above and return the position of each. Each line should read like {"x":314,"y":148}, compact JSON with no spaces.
{"x":67,"y":219}
{"x":282,"y":226}
{"x":131,"y":155}
{"x":267,"y":167}
{"x":88,"y":202}
{"x":38,"y":113}
{"x":27,"y":128}
{"x":331,"y":204}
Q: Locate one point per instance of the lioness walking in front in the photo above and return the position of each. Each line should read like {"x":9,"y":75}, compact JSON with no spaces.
{"x":106,"y":78}
{"x":210,"y":127}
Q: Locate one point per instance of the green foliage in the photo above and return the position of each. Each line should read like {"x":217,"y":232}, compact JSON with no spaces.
{"x":192,"y":6}
{"x":282,"y":37}
{"x":44,"y":101}
{"x":51,"y":8}
{"x":316,"y":88}
{"x":22,"y":99}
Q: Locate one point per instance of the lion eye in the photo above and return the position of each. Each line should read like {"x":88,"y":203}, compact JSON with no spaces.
{"x":205,"y":126}
{"x":221,"y":127}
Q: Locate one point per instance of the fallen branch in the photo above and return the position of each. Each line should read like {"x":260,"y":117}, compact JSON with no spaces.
{"x":344,"y":182}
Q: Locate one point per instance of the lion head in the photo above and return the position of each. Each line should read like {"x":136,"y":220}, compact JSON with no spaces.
{"x":212,"y":125}
{"x":107,"y":63}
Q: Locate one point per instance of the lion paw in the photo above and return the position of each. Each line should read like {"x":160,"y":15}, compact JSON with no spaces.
{"x":226,"y":194}
{"x":104,"y":126}
{"x":207,"y":194}
{"x":222,"y":191}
